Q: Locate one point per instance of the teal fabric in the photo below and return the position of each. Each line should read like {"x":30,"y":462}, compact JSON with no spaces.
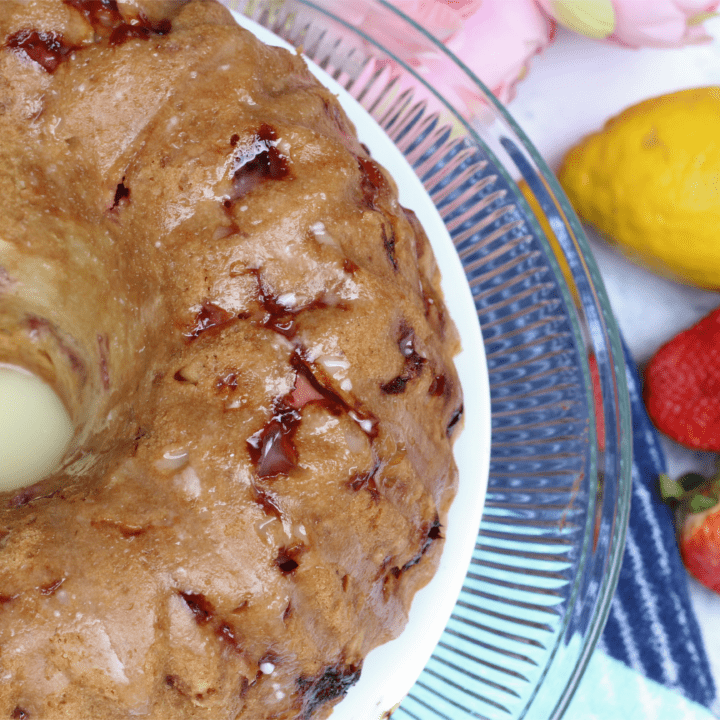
{"x":610,"y":690}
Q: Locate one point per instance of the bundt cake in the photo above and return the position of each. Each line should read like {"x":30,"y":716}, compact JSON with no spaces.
{"x":247,"y":330}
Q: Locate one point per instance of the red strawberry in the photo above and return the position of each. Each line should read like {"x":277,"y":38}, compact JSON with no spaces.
{"x":698,"y":516}
{"x":682,"y":386}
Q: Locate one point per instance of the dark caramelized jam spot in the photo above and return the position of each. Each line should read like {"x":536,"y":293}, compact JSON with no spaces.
{"x":440,"y":386}
{"x":227,"y":382}
{"x":413,"y":363}
{"x":328,"y":399}
{"x":107,"y":21}
{"x":286,"y":564}
{"x":210,"y":316}
{"x":180,"y":377}
{"x":5,"y":599}
{"x":333,"y":683}
{"x":396,"y":386}
{"x":141,"y":28}
{"x":200,"y":606}
{"x":122,"y":193}
{"x":101,"y":14}
{"x":268,"y":502}
{"x":367,"y":481}
{"x":272,"y":449}
{"x":325,"y":397}
{"x":349,"y":266}
{"x":303,"y":393}
{"x":258,"y":161}
{"x":242,"y":606}
{"x":20,"y":714}
{"x":454,"y":420}
{"x":277,"y":316}
{"x":234,"y":139}
{"x":47,"y":49}
{"x":51,"y":588}
{"x":389,"y":245}
{"x":175,"y":682}
{"x":226,"y":632}
{"x":122,"y":33}
{"x":372,"y":181}
{"x":430,"y":532}
{"x":288,"y":558}
{"x":435,"y":531}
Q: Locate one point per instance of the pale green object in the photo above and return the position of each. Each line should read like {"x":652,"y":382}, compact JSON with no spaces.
{"x":610,"y":690}
{"x":701,"y":18}
{"x":593,"y":18}
{"x":34,"y":428}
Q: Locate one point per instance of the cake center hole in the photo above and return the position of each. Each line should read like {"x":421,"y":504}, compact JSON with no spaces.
{"x":35,"y":428}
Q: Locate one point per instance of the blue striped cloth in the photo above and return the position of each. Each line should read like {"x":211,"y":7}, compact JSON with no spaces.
{"x":650,"y":662}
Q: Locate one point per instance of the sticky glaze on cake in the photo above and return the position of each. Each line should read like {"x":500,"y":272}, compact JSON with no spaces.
{"x":247,"y":329}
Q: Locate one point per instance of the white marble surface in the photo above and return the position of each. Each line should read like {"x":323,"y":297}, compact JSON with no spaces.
{"x":571,"y":90}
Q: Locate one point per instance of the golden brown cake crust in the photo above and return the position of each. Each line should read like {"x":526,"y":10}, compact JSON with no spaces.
{"x":247,"y":329}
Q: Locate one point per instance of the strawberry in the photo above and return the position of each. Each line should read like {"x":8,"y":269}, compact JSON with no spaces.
{"x":698,"y":518}
{"x":682,"y":386}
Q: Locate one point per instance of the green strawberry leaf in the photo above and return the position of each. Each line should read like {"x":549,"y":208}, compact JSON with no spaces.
{"x":670,"y":489}
{"x":700,"y":503}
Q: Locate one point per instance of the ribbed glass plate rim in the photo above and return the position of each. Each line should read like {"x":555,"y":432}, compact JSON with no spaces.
{"x":593,"y":325}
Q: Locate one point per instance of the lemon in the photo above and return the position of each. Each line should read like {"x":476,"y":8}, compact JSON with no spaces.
{"x":650,"y":182}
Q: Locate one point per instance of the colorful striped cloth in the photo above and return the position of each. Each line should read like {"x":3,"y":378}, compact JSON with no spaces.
{"x":650,"y":663}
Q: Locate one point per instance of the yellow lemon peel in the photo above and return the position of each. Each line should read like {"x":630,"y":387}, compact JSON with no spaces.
{"x":650,"y":182}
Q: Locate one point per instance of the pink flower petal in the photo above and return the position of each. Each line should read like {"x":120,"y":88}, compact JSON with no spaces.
{"x":499,"y":40}
{"x":654,"y":23}
{"x":659,"y":23}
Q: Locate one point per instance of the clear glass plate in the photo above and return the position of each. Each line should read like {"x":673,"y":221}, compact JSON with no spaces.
{"x":548,"y":552}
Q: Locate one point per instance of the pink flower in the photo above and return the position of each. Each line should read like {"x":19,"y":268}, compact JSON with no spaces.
{"x":635,"y":23}
{"x":496,"y":39}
